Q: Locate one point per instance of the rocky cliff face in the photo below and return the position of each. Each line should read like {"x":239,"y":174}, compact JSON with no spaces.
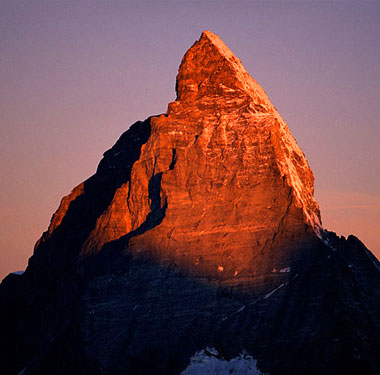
{"x":199,"y":229}
{"x":220,"y":171}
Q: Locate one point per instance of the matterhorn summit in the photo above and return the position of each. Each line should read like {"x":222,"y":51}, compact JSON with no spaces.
{"x":197,"y":246}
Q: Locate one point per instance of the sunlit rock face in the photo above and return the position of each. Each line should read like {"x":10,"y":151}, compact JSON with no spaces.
{"x":222,"y":184}
{"x":198,"y":230}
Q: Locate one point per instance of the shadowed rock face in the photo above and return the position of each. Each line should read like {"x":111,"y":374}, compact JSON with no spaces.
{"x":199,"y":229}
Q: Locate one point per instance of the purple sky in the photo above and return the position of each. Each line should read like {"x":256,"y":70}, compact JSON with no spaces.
{"x":75,"y":75}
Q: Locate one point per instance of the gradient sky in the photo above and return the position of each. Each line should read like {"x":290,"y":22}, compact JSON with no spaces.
{"x":75,"y":75}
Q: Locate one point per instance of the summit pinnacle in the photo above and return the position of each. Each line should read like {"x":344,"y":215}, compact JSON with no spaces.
{"x":196,"y":244}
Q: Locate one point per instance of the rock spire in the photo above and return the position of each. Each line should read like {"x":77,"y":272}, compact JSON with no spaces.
{"x":220,"y":186}
{"x":198,"y":240}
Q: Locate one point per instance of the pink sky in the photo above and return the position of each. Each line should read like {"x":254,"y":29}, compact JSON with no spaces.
{"x":75,"y":76}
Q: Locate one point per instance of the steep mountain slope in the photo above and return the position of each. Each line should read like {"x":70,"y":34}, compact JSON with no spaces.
{"x":198,"y":230}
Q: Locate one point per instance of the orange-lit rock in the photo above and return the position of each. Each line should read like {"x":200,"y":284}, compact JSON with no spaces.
{"x":198,"y":233}
{"x":58,"y":216}
{"x":221,"y":178}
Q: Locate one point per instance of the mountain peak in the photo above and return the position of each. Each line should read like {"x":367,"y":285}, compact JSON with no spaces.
{"x":220,"y":170}
{"x":217,"y":42}
{"x":198,"y":233}
{"x":210,"y":69}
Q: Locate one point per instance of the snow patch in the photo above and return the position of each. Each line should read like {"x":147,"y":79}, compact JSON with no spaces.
{"x":18,"y":272}
{"x":211,"y":351}
{"x":205,"y":362}
{"x":274,"y":291}
{"x":285,"y":270}
{"x":326,"y":241}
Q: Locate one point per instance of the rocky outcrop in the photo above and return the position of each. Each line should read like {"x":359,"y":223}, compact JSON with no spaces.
{"x":199,"y":233}
{"x":220,"y":171}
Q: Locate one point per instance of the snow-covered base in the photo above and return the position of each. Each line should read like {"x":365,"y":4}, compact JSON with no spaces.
{"x":205,"y":362}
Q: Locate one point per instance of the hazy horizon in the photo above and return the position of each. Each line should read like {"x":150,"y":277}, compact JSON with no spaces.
{"x":75,"y":76}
